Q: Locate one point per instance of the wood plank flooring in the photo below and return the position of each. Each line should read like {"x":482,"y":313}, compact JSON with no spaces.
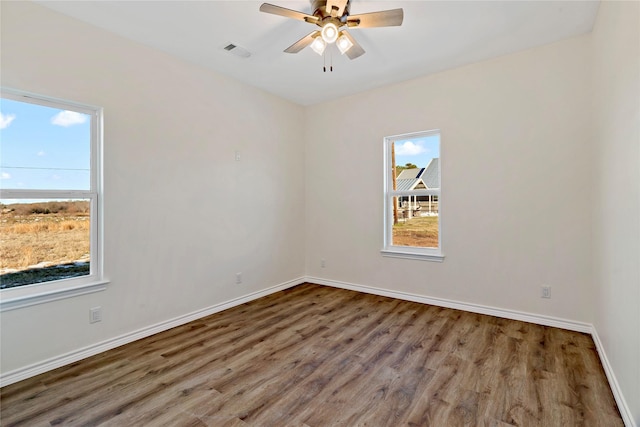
{"x":318,"y":356}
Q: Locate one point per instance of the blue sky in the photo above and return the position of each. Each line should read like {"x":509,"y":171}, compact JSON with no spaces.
{"x":43,"y":148}
{"x":418,"y":151}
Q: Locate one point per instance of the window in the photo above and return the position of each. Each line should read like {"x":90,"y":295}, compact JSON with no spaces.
{"x":412,"y":221}
{"x":50,"y":196}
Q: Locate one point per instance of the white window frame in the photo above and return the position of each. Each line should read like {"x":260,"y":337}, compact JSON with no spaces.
{"x":390,"y":250}
{"x":37,"y":293}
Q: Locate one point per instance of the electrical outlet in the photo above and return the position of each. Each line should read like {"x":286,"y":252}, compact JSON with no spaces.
{"x":545,"y":291}
{"x":238,"y":278}
{"x":95,"y":315}
{"x":323,"y":264}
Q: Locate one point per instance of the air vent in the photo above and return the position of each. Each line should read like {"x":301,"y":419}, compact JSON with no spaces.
{"x":237,"y":50}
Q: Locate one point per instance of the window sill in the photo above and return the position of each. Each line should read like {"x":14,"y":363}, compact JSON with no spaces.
{"x":408,"y":254}
{"x":7,"y":302}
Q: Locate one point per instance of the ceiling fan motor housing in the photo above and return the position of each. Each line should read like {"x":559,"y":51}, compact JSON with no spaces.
{"x":319,"y":8}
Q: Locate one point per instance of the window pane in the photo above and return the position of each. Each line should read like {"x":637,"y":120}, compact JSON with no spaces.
{"x":44,"y":148}
{"x":417,"y":224}
{"x":416,"y":162}
{"x":43,"y":240}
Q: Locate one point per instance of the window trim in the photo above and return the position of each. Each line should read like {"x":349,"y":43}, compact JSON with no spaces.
{"x":38,"y":293}
{"x":408,"y":252}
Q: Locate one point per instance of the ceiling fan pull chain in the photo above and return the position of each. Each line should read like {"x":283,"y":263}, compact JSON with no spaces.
{"x":331,"y":60}
{"x":324,"y":62}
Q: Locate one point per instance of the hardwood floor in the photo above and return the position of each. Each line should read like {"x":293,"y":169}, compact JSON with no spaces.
{"x":319,"y":356}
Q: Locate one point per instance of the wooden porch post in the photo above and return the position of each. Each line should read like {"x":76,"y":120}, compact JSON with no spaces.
{"x":393,"y":173}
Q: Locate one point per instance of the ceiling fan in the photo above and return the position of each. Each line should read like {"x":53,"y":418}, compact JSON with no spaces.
{"x":331,"y":16}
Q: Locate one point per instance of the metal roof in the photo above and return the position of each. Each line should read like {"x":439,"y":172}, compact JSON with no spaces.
{"x":410,"y":173}
{"x":431,"y":176}
{"x":405,"y":184}
{"x":409,"y":179}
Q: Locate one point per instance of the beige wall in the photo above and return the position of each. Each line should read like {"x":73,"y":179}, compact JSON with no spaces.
{"x":181,"y":215}
{"x":616,"y":39}
{"x":516,"y":190}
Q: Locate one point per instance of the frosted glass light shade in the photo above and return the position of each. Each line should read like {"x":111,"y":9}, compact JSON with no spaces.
{"x":318,"y":45}
{"x":344,"y":44}
{"x":329,"y":33}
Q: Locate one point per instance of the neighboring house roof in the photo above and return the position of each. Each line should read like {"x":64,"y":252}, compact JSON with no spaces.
{"x":420,"y":178}
{"x":431,"y":176}
{"x":410,"y":173}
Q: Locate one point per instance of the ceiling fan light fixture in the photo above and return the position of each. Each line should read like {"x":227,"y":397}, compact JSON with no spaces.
{"x":330,"y":16}
{"x":344,"y":44}
{"x":318,"y":45}
{"x":329,"y":32}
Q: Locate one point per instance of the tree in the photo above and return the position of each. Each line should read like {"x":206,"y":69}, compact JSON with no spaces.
{"x":399,"y":168}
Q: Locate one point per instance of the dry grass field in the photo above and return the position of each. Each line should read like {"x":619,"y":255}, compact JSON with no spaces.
{"x":34,"y":240}
{"x":417,"y":232}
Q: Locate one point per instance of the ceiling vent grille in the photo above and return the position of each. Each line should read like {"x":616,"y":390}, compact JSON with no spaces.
{"x":237,"y":50}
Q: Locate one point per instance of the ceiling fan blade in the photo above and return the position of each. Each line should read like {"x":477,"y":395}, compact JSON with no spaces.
{"x":287,"y":13}
{"x":356,"y":50}
{"x":385,"y":18}
{"x":302,"y":43}
{"x":336,"y":7}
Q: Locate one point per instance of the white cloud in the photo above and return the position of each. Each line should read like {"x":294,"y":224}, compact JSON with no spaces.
{"x":68,"y":118}
{"x":41,"y":153}
{"x":5,"y":120}
{"x":409,"y":149}
{"x":5,"y":175}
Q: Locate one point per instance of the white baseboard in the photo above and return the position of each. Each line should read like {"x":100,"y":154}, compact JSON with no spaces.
{"x":74,"y":356}
{"x":459,"y":305}
{"x":504,"y":313}
{"x":625,"y":412}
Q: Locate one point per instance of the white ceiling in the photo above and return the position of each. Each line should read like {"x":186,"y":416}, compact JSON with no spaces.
{"x":435,"y":36}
